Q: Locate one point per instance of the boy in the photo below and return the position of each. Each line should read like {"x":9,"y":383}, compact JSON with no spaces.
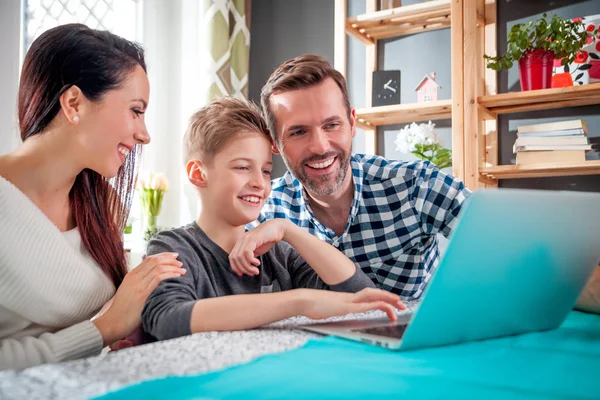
{"x":237,"y":279}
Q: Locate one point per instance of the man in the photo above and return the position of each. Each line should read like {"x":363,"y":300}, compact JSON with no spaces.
{"x":384,"y":215}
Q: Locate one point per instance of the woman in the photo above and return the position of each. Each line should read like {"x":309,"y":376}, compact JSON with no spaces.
{"x":82,"y":98}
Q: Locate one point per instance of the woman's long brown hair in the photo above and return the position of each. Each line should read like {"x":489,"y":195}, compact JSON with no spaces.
{"x":96,"y":62}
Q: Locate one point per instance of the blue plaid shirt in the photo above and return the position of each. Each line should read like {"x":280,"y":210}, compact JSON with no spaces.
{"x":397,"y":210}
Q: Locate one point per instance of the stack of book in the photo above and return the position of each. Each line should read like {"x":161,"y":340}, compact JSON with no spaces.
{"x":553,"y":142}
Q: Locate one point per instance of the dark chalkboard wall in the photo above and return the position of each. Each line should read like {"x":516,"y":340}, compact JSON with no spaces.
{"x":280,"y":30}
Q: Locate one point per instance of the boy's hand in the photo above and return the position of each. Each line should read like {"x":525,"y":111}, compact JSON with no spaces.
{"x":321,"y":304}
{"x":254,"y":243}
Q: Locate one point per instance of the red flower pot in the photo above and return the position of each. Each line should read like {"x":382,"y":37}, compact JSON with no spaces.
{"x":535,"y":68}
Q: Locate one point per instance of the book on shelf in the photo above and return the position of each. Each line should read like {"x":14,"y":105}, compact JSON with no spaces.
{"x":538,"y":147}
{"x":561,"y":133}
{"x":571,"y":125}
{"x":551,"y":141}
{"x":550,"y":157}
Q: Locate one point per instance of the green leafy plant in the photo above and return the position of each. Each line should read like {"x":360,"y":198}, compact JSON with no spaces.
{"x":435,"y":153}
{"x":562,"y":36}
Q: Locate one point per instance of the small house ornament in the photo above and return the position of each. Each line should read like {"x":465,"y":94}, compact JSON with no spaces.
{"x":427,"y":89}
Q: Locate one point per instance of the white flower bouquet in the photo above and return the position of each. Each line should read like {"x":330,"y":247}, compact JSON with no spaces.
{"x":423,"y":141}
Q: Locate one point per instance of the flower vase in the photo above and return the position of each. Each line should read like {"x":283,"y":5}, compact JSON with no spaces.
{"x":150,"y":226}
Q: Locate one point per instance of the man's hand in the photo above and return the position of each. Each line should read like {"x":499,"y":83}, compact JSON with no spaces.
{"x":254,"y":243}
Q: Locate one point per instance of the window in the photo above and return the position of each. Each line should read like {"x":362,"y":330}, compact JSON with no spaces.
{"x":427,"y":98}
{"x":122,"y":17}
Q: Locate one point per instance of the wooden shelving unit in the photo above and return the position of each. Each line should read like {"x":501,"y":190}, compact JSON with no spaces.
{"x":375,"y":25}
{"x":407,"y":20}
{"x":540,"y":170}
{"x":475,"y":104}
{"x":545,"y":99}
{"x":482,"y":106}
{"x":368,"y":118}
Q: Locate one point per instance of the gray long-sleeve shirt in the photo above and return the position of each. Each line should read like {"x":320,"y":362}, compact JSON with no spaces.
{"x":168,"y":310}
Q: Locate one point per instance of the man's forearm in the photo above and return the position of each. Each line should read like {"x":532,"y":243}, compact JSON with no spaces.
{"x":589,"y":300}
{"x":245,"y":311}
{"x":331,"y":265}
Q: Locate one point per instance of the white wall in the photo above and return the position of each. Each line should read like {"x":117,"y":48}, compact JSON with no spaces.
{"x":10,"y":44}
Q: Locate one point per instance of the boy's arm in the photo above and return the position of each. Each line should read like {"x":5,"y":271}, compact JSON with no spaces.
{"x":176,"y":308}
{"x":167,"y":312}
{"x":247,"y":311}
{"x":331,"y":265}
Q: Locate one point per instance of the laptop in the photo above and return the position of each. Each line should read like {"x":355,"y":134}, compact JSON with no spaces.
{"x":516,"y":262}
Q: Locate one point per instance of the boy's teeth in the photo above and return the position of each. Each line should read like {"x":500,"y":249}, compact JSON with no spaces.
{"x":251,"y":199}
{"x":322,"y":165}
{"x":123,"y":151}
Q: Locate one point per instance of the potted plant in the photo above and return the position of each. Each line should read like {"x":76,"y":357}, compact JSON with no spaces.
{"x":535,"y":45}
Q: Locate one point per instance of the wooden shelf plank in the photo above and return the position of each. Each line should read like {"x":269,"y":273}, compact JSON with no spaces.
{"x":403,"y":113}
{"x":591,"y":167}
{"x":544,"y":99}
{"x":420,"y":17}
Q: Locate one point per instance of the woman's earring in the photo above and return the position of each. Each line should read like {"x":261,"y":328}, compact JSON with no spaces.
{"x":76,"y":119}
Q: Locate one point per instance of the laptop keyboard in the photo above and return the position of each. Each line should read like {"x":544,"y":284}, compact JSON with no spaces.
{"x":392,"y":331}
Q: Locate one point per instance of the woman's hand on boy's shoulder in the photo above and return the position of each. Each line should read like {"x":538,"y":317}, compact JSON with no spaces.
{"x":254,"y":243}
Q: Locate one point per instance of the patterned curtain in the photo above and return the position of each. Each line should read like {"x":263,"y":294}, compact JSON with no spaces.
{"x":228,"y":42}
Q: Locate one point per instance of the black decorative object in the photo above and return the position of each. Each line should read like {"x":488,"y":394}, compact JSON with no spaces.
{"x":386,"y":88}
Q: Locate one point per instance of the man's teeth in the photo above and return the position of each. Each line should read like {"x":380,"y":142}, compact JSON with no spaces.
{"x":251,"y":199}
{"x":123,"y":151}
{"x":322,"y":165}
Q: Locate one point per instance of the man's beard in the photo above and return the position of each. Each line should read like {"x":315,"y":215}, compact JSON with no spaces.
{"x":322,"y":186}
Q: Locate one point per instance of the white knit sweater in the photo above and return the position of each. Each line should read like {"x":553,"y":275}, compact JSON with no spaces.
{"x":50,"y":287}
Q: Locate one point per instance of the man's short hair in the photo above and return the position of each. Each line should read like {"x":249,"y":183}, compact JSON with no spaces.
{"x":299,"y":73}
{"x":213,"y":126}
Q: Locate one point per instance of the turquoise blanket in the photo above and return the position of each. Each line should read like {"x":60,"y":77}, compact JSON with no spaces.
{"x":563,"y":363}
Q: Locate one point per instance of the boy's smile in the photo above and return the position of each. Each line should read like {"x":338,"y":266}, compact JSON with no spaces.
{"x":252,"y":200}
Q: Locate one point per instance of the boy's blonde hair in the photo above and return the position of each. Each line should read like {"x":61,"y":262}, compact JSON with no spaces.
{"x":213,"y":126}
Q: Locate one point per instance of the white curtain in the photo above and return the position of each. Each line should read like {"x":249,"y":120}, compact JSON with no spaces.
{"x":178,"y":37}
